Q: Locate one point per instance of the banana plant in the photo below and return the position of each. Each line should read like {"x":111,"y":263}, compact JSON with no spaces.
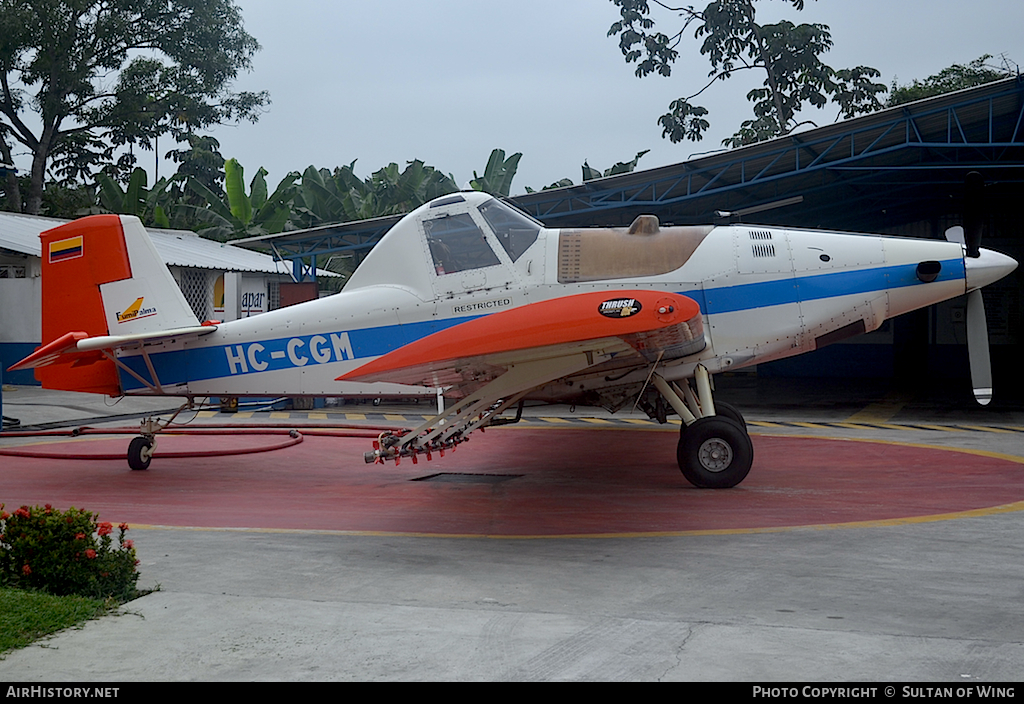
{"x":236,"y":214}
{"x":136,"y":199}
{"x":497,"y":178}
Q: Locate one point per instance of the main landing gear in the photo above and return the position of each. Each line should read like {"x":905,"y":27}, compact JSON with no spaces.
{"x":714,"y":450}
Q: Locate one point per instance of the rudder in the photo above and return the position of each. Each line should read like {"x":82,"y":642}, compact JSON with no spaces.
{"x":102,"y":276}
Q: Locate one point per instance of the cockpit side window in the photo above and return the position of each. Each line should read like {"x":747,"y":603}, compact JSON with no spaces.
{"x":457,"y":244}
{"x":515,"y":231}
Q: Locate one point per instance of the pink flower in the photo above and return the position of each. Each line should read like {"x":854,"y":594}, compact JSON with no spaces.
{"x":90,"y":553}
{"x":79,"y":536}
{"x":22,"y":512}
{"x":26,"y":570}
{"x":129,"y":544}
{"x":104,"y":529}
{"x":123,"y":526}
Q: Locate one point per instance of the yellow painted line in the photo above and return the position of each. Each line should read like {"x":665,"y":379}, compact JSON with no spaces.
{"x":986,"y":429}
{"x":815,"y":426}
{"x":244,"y":414}
{"x":597,"y":421}
{"x":883,"y":410}
{"x":882,"y":523}
{"x":854,"y":426}
{"x":638,"y":421}
{"x":938,"y":427}
{"x":393,"y":416}
{"x":207,"y":414}
{"x":355,"y":416}
{"x":280,"y":415}
{"x":317,"y":416}
{"x":765,"y":424}
{"x":556,"y":420}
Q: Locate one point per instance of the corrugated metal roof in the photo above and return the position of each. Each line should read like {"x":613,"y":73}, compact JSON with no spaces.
{"x":20,"y":233}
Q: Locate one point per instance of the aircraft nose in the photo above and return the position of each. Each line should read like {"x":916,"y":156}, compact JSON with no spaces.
{"x":990,"y":266}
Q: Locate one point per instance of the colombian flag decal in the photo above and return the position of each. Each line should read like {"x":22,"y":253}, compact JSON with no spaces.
{"x":66,"y":249}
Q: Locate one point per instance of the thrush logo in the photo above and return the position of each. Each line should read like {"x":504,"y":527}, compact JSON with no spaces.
{"x":135,"y":311}
{"x":619,"y":308}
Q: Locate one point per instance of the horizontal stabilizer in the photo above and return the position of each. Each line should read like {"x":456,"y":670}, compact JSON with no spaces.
{"x":74,"y":345}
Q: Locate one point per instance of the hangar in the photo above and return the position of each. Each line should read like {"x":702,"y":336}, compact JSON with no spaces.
{"x":899,"y":171}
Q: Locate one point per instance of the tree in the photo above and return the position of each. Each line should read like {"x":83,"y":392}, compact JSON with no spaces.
{"x":786,"y":54}
{"x":103,"y":74}
{"x":955,"y":77}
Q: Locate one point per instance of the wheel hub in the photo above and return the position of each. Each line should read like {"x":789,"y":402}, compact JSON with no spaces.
{"x":715,"y":455}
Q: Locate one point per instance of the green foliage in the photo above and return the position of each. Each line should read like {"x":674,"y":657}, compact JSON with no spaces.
{"x":66,"y":552}
{"x":234,"y":214}
{"x":340,"y":196}
{"x":81,"y":78}
{"x":955,"y":77}
{"x":201,"y":161}
{"x":787,"y":54}
{"x":27,"y":616}
{"x":498,"y":175}
{"x":150,"y":206}
{"x":623,"y":167}
{"x":589,"y":172}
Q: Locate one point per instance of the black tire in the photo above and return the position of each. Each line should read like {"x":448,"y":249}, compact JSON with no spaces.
{"x":714,"y":453}
{"x":729,"y":411}
{"x":139,"y":453}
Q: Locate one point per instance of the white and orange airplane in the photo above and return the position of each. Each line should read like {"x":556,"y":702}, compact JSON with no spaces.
{"x":468,"y":294}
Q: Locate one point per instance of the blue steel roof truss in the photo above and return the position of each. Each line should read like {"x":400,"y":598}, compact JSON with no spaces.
{"x":977,"y":129}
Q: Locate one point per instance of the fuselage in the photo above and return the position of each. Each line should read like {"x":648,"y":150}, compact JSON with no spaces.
{"x":764,"y":293}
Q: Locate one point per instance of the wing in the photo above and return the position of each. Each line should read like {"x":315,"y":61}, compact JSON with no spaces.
{"x":596,"y":326}
{"x":495,"y":360}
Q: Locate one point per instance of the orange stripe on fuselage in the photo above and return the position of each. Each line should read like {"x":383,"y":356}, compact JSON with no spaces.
{"x":555,"y":322}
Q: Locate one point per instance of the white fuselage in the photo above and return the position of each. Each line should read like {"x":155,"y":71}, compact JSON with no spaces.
{"x":764,"y":292}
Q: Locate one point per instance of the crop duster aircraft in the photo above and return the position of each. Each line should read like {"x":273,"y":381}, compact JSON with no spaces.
{"x":468,"y":294}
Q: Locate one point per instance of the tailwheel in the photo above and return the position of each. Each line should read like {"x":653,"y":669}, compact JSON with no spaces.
{"x":140,"y":452}
{"x":714,"y":452}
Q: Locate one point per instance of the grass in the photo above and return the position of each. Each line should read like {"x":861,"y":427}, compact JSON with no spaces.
{"x":28,"y":616}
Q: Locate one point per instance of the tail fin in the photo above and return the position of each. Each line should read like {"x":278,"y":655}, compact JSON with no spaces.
{"x":103,"y":276}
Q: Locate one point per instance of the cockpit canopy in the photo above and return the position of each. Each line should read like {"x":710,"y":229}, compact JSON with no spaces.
{"x":463,"y":232}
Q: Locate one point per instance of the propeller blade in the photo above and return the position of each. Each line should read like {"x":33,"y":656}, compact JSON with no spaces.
{"x":955,"y":234}
{"x":977,"y":348}
{"x":974,"y":217}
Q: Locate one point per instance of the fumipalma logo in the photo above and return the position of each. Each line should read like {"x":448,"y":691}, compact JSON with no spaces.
{"x":135,"y":311}
{"x":619,"y":308}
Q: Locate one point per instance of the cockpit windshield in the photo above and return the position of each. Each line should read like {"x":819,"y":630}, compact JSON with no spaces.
{"x":457,"y":244}
{"x":515,"y":230}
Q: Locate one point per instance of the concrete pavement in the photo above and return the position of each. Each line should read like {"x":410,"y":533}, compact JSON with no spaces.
{"x":920,"y":601}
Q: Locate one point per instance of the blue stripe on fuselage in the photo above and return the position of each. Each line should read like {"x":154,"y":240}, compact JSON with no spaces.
{"x":202,"y":363}
{"x":237,"y":359}
{"x":730,"y":299}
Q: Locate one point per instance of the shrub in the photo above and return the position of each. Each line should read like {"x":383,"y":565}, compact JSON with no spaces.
{"x":66,"y":552}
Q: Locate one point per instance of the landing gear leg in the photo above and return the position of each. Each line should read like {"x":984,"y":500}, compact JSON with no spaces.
{"x":714,"y":450}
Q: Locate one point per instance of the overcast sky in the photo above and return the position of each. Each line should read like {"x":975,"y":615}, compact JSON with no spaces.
{"x":447,"y":81}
